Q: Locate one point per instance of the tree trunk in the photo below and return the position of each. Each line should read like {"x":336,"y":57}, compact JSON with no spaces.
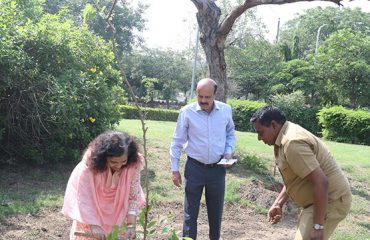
{"x":213,"y":35}
{"x":213,"y":43}
{"x":216,"y":65}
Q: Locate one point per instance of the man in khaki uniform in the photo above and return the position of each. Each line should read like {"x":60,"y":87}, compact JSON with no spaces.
{"x":311,"y":175}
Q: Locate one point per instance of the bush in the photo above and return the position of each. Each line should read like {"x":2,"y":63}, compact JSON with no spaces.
{"x":156,"y":114}
{"x":253,"y":163}
{"x":293,"y":105}
{"x":56,"y":88}
{"x":345,"y":125}
{"x":242,"y":113}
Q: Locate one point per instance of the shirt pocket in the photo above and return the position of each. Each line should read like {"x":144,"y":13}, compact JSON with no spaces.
{"x":286,"y":172}
{"x":218,"y":133}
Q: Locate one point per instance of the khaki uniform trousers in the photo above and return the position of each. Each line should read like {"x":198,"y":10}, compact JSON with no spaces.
{"x":336,"y":211}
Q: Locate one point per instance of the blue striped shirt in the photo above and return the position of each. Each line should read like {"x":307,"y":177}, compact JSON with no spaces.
{"x":207,"y":136}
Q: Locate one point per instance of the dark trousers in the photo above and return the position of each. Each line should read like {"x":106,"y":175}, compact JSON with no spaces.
{"x":212,"y":179}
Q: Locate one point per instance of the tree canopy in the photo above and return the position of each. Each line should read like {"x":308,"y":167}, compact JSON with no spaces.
{"x":336,"y":74}
{"x":215,"y":30}
{"x":344,"y":61}
{"x":300,"y":33}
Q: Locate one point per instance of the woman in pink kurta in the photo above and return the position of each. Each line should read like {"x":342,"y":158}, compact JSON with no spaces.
{"x":104,"y":188}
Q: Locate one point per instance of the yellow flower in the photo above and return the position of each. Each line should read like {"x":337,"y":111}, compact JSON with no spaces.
{"x":92,"y":120}
{"x":93,"y":69}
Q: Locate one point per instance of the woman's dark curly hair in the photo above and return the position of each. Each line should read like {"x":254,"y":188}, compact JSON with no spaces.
{"x":112,"y":144}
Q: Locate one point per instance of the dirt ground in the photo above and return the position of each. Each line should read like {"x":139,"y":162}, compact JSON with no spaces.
{"x":239,"y":222}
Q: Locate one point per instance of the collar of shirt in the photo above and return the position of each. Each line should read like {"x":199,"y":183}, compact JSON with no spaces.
{"x":215,"y":106}
{"x":280,"y":138}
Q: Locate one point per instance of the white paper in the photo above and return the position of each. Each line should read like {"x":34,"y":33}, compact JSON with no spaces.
{"x":227,"y":161}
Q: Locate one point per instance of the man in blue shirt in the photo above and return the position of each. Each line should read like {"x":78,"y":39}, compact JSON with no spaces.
{"x":207,"y":130}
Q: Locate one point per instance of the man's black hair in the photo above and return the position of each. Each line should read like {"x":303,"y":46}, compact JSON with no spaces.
{"x":266,"y":114}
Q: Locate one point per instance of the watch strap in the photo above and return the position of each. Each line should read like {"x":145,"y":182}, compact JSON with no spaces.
{"x":317,"y":226}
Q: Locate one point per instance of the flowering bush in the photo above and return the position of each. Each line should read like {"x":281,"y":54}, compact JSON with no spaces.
{"x":56,"y":84}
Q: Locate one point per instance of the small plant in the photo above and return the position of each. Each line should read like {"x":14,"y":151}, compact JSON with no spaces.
{"x":152,"y":228}
{"x":253,"y":163}
{"x":232,"y":192}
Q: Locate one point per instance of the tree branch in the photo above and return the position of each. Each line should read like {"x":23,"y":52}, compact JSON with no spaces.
{"x":228,"y":22}
{"x":144,"y":128}
{"x":110,"y":10}
{"x":207,"y":8}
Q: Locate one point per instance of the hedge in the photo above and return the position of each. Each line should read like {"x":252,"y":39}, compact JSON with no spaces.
{"x":345,"y":125}
{"x":244,"y":109}
{"x":155,"y":114}
{"x":338,"y":124}
{"x":242,"y":113}
{"x":305,"y":117}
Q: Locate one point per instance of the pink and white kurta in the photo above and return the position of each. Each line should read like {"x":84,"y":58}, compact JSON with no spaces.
{"x":102,"y":199}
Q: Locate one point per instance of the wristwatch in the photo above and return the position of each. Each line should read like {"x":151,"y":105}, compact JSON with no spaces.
{"x":317,"y":226}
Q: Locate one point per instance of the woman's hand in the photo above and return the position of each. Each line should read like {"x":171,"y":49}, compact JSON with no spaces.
{"x":97,"y":231}
{"x":131,"y":232}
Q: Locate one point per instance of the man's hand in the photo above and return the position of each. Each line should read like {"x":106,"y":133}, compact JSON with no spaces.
{"x":176,"y":178}
{"x":275,"y":213}
{"x":227,"y":156}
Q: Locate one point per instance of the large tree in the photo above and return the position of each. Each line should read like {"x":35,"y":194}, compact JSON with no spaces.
{"x":215,"y":30}
{"x":127,"y":16}
{"x":300,"y":33}
{"x":250,"y":67}
{"x":171,"y":69}
{"x":344,"y":61}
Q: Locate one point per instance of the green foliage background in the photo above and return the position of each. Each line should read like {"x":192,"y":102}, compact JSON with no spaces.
{"x":56,"y":82}
{"x":345,"y":125}
{"x":59,"y":86}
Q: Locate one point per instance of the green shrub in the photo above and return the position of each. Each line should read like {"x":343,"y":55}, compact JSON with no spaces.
{"x":232,"y":192}
{"x":56,"y":87}
{"x":295,"y":109}
{"x":345,"y":125}
{"x":292,"y":105}
{"x":253,"y":163}
{"x":309,"y":120}
{"x":242,"y":113}
{"x":156,"y":114}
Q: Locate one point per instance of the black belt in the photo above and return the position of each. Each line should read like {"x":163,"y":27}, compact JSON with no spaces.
{"x":211,"y":165}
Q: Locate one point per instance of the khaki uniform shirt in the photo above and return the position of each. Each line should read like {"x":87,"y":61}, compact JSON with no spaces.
{"x":298,"y":152}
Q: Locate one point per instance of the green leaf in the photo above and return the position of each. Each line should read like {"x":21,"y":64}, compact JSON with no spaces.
{"x":167,"y":229}
{"x":151,"y":223}
{"x":88,"y":13}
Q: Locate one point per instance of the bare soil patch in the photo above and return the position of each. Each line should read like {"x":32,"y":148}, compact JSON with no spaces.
{"x":239,"y":222}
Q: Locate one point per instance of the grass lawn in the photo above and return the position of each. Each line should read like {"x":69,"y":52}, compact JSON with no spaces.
{"x":38,"y":189}
{"x":354,"y":160}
